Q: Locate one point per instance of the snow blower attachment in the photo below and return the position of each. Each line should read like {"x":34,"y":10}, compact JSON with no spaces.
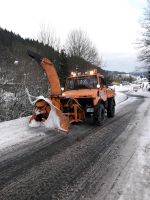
{"x":47,"y":110}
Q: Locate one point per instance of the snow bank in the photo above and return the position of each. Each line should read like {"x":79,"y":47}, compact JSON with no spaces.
{"x":135,"y":177}
{"x":7,"y":96}
{"x":17,"y":132}
{"x":122,"y":91}
{"x":121,"y":88}
{"x":120,"y":97}
{"x":140,"y":92}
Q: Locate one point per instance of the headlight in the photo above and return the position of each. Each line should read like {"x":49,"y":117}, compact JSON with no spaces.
{"x":98,"y":85}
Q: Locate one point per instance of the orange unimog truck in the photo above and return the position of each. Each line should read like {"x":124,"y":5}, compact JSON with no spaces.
{"x":84,"y":96}
{"x":89,"y":91}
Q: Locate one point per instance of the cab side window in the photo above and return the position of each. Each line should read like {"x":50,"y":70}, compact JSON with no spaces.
{"x":101,"y":81}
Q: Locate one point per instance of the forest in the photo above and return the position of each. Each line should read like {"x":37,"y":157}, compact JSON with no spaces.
{"x":18,"y":72}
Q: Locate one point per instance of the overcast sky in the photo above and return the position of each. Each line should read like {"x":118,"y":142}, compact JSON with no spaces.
{"x":113,"y":25}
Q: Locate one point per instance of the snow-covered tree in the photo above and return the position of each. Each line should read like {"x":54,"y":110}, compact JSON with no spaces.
{"x":145,"y":41}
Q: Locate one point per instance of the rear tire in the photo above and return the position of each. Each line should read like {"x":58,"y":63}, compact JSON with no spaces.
{"x":111,"y":108}
{"x":100,"y":115}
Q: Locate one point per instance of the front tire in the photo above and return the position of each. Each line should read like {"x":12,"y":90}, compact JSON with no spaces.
{"x":111,"y":108}
{"x":100,"y":115}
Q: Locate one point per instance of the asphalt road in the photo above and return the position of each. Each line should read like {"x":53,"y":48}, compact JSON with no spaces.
{"x":82,"y":165}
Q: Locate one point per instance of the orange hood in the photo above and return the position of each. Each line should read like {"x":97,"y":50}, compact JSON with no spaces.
{"x":82,"y":93}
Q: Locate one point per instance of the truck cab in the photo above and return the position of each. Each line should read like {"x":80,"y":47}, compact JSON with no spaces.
{"x":89,"y":91}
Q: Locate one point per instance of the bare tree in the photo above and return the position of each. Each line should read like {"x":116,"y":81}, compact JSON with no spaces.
{"x":48,"y":37}
{"x":79,"y":44}
{"x":144,"y":42}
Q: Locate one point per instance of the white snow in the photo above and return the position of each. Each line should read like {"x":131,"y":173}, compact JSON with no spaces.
{"x":120,"y":97}
{"x":133,"y":183}
{"x":140,"y":92}
{"x":121,"y":91}
{"x":7,"y":96}
{"x":130,"y":88}
{"x":16,"y":62}
{"x":137,"y":183}
{"x":122,"y":88}
{"x":17,"y":132}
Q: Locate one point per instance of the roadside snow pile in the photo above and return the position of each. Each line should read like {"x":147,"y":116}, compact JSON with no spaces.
{"x":122,"y":88}
{"x":17,"y":132}
{"x":141,"y":92}
{"x":133,"y":182}
{"x":120,"y":97}
{"x":120,"y":93}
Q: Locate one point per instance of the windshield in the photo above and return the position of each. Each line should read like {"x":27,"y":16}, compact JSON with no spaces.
{"x":82,"y":82}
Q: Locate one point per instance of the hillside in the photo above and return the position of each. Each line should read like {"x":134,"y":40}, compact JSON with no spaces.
{"x":18,"y":71}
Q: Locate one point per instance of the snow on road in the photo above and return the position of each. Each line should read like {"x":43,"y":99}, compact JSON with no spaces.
{"x":17,"y":132}
{"x":133,"y":183}
{"x":120,"y":97}
{"x":121,"y":92}
{"x":135,"y":178}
